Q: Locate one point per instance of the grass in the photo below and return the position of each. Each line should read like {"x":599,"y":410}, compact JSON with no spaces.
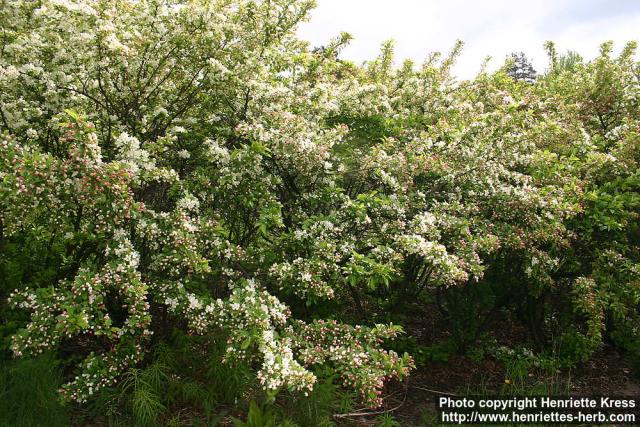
{"x":28,"y":393}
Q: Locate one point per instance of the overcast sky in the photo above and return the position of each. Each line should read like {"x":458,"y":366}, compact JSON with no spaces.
{"x":488,"y":27}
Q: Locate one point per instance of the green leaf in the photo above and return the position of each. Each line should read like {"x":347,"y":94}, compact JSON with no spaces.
{"x":246,"y":343}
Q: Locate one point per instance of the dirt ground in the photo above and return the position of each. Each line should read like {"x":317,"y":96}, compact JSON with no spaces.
{"x":607,"y":373}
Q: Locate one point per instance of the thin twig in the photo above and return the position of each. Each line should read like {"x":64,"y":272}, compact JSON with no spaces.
{"x":365,"y":414}
{"x":433,"y":391}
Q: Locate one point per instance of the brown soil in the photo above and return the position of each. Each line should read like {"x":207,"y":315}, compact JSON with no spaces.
{"x":607,"y":373}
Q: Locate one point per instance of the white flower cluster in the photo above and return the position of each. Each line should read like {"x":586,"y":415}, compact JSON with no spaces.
{"x":130,"y":153}
{"x":446,"y":265}
{"x":250,"y":316}
{"x":78,"y":307}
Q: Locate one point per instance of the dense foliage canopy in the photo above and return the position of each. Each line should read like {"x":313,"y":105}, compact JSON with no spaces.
{"x":193,"y":166}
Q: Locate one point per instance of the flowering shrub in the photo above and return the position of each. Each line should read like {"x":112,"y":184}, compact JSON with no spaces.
{"x":194,"y":166}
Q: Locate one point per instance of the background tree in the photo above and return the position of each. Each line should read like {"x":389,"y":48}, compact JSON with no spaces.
{"x":519,"y":67}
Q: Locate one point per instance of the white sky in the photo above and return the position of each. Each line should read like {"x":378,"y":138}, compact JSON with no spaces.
{"x":488,"y":27}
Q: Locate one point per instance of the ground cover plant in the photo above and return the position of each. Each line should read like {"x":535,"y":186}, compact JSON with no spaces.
{"x":202,"y":217}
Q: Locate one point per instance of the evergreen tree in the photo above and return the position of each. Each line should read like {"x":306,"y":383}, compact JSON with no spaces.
{"x":519,"y":67}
